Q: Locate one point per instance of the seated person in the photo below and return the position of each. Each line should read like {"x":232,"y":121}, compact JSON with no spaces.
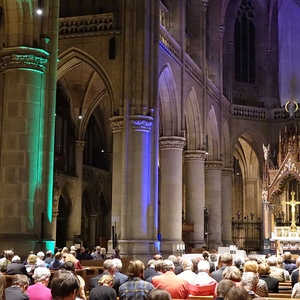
{"x":17,"y":291}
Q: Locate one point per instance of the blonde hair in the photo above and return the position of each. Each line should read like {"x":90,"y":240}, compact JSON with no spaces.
{"x":251,"y":266}
{"x":106,"y":279}
{"x":135,"y":268}
{"x":31,"y":259}
{"x":233,"y":273}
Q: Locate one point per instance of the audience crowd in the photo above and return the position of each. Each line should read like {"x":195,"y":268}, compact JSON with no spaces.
{"x":53,"y":276}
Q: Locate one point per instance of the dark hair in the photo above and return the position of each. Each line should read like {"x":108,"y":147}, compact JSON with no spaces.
{"x":63,"y":284}
{"x":224,"y":286}
{"x":159,"y":294}
{"x":69,"y":265}
{"x":237,"y":293}
{"x":135,"y":268}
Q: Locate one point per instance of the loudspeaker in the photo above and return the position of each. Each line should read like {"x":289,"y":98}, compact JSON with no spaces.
{"x":112,"y":48}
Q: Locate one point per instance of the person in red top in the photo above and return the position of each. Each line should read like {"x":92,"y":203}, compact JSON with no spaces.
{"x":169,"y":281}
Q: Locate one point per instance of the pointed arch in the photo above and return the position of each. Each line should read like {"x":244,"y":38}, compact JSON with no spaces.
{"x":193,"y":122}
{"x":213,"y":136}
{"x":87,"y":87}
{"x":169,"y":108}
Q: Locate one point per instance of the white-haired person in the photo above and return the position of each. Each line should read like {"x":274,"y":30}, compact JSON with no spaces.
{"x":118,"y":271}
{"x":249,"y":282}
{"x":187,"y":273}
{"x":40,"y":259}
{"x":204,"y":285}
{"x":39,"y":290}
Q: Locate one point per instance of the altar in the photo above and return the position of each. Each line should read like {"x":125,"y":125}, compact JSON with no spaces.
{"x":285,"y":240}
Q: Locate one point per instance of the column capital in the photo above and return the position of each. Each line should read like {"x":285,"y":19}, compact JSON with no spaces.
{"x":213,"y":165}
{"x":136,"y":123}
{"x":23,"y":57}
{"x":171,"y":142}
{"x":194,"y":155}
{"x":227,"y":171}
{"x":79,"y":145}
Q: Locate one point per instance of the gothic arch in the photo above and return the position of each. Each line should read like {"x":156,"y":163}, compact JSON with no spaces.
{"x":193,"y":122}
{"x":88,"y":89}
{"x":213,"y":136}
{"x":169,"y":108}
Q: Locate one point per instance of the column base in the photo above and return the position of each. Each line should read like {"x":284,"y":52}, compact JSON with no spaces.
{"x":22,"y":244}
{"x":143,"y":250}
{"x":214,"y":245}
{"x":172,"y":248}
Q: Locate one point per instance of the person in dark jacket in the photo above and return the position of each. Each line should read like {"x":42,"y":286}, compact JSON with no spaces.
{"x":272,"y":283}
{"x":15,"y":267}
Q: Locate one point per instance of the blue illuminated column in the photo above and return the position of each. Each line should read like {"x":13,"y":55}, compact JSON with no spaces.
{"x":226,"y":199}
{"x":133,"y":208}
{"x":170,"y":212}
{"x":195,"y":192}
{"x":213,"y":203}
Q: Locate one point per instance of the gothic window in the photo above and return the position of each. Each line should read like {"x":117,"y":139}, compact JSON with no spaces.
{"x":244,"y":36}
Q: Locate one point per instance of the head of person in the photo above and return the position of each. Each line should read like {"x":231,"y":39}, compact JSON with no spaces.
{"x":224,"y":286}
{"x":42,"y":275}
{"x":159,"y":265}
{"x":135,"y":269}
{"x":150,"y":263}
{"x":70,"y":257}
{"x":21,"y":281}
{"x":272,"y":261}
{"x":49,"y":253}
{"x":65,"y":250}
{"x":58,"y":255}
{"x":31,"y":259}
{"x":205,"y":255}
{"x":187,"y":264}
{"x":159,"y":294}
{"x":16,"y":259}
{"x":263,"y":269}
{"x":157,"y":256}
{"x":237,"y":293}
{"x":203,"y":266}
{"x":117,"y":263}
{"x":213,"y":257}
{"x":251,"y":266}
{"x":168,"y":265}
{"x":98,"y":249}
{"x":106,"y":279}
{"x":64,"y":285}
{"x":69,"y":265}
{"x":9,"y":254}
{"x":173,"y":258}
{"x":40,"y":255}
{"x":287,"y":256}
{"x":232,"y":273}
{"x":103,"y":251}
{"x":249,"y":281}
{"x":226,"y":259}
{"x":239,"y":262}
{"x":109,"y":266}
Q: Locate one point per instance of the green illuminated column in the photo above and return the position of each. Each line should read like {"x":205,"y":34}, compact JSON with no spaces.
{"x":23,"y":192}
{"x":171,"y":192}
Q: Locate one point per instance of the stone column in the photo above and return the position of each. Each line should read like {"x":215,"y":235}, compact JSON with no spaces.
{"x":171,"y":192}
{"x":213,"y":197}
{"x":134,"y":215}
{"x":74,"y":220}
{"x":92,"y":230}
{"x":195,"y":193}
{"x":226,"y":198}
{"x":25,"y":205}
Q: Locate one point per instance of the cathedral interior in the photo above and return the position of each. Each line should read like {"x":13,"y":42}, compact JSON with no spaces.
{"x":149,"y":125}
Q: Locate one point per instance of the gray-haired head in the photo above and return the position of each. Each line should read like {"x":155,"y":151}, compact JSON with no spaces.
{"x":41,"y":274}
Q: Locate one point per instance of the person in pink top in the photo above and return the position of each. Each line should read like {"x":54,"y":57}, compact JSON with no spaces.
{"x":39,"y":290}
{"x":204,"y":285}
{"x":169,"y":281}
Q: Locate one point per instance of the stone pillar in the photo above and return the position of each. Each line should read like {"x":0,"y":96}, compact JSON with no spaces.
{"x":92,"y":230}
{"x":171,"y":192}
{"x":25,"y":205}
{"x":195,"y":193}
{"x":266,"y":221}
{"x":213,"y":197}
{"x":226,"y":198}
{"x":74,"y":220}
{"x":134,"y":215}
